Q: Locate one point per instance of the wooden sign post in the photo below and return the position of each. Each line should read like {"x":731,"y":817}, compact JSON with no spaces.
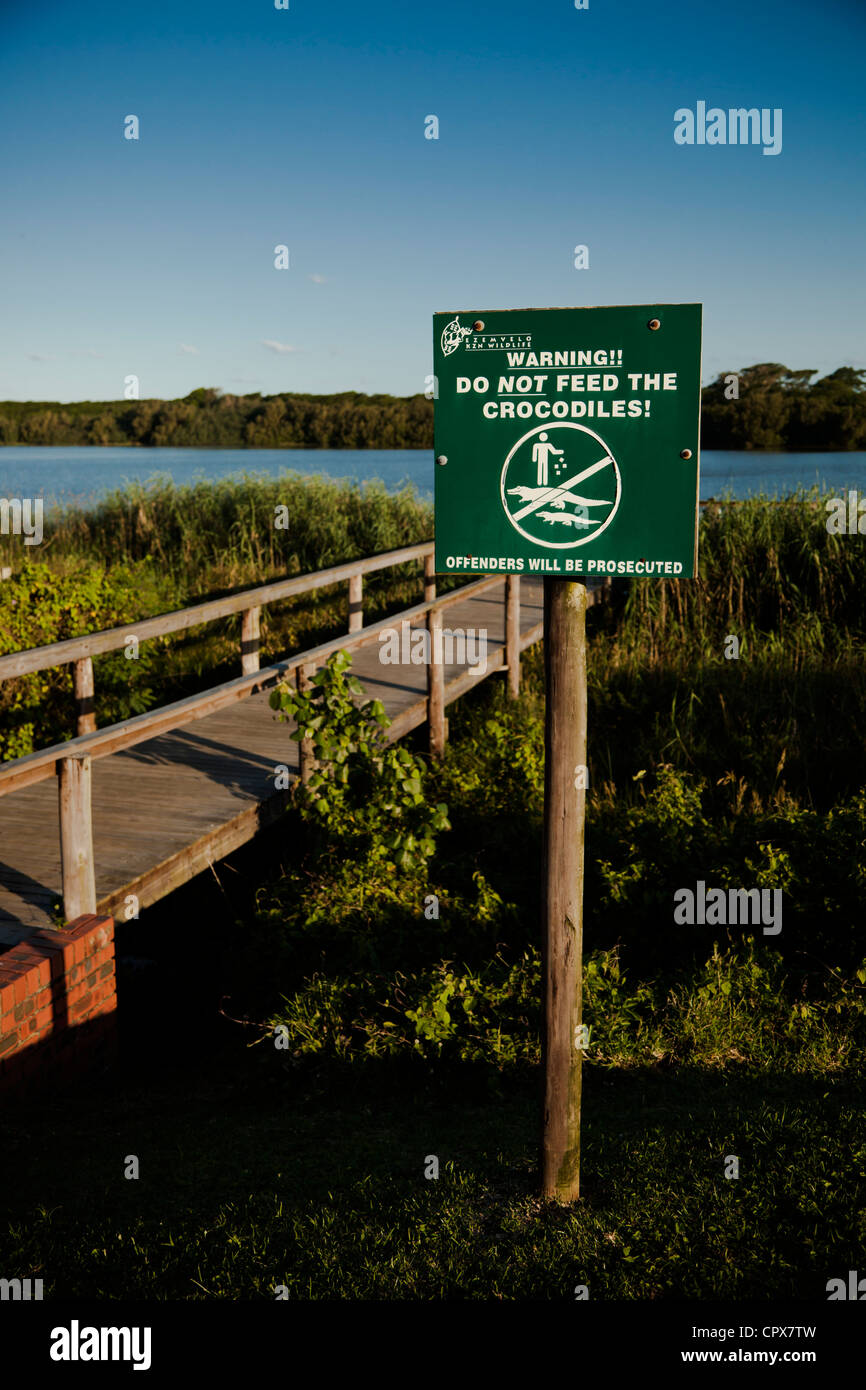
{"x":567,"y":447}
{"x":562,"y":883}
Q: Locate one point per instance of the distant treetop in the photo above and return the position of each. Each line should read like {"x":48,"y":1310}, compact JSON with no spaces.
{"x":766,"y":406}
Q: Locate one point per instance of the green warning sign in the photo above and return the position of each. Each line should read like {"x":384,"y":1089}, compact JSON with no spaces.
{"x":567,"y":440}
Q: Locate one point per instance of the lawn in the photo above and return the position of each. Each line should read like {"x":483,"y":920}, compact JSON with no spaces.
{"x":317,"y":1024}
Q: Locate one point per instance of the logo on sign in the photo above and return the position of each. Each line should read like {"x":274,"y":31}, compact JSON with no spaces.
{"x":452,"y":335}
{"x":560,"y":486}
{"x":498,"y":342}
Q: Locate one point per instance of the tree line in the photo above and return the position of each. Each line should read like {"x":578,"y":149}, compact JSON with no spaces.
{"x":766,"y":406}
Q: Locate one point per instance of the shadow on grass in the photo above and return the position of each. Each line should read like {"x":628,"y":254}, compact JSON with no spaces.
{"x":255,"y":1172}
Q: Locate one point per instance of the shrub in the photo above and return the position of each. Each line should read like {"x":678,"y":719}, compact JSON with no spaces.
{"x":360,"y":776}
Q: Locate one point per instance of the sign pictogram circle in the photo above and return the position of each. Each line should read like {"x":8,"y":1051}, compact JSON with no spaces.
{"x":542,"y":486}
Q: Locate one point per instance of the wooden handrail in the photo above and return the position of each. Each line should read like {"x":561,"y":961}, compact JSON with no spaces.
{"x":111,"y":639}
{"x":72,"y":761}
{"x":38,"y":766}
{"x":114,"y":638}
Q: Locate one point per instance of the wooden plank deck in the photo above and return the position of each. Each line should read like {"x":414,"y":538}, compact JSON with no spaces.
{"x":167,"y":808}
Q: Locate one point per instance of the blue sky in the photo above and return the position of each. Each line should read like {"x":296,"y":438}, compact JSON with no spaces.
{"x":305,"y":127}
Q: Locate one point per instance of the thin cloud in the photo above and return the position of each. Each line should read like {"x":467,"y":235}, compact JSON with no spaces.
{"x":188,"y":348}
{"x":277,"y":347}
{"x":318,"y":279}
{"x":38,"y":357}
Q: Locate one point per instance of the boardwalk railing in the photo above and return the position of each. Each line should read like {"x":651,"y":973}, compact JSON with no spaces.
{"x":71,"y":761}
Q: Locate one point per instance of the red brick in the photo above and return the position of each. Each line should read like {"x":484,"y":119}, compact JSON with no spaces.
{"x":91,"y":929}
{"x":44,"y":1019}
{"x":60,"y":992}
{"x":103,"y":957}
{"x":77,"y":990}
{"x":25,"y":957}
{"x":84,"y":923}
{"x":40,"y":977}
{"x":100,"y":1008}
{"x":48,"y":942}
{"x":55,"y":965}
{"x":94,"y":993}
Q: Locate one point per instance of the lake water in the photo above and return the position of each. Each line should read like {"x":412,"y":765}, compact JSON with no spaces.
{"x":82,"y":475}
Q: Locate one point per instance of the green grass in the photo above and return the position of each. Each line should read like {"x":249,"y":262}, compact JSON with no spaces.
{"x":152,"y":549}
{"x":258,"y":1176}
{"x":410,"y":1036}
{"x":305,"y":1168}
{"x":231,"y":532}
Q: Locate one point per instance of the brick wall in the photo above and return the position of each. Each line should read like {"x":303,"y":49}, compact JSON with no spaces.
{"x":57,"y":1001}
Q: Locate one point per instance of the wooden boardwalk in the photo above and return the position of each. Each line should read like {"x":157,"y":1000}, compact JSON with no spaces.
{"x":169,"y":807}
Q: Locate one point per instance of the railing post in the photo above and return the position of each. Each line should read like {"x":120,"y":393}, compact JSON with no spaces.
{"x":76,"y":837}
{"x":429,"y":578}
{"x":356,"y":603}
{"x":512,"y":633}
{"x":436,"y":723}
{"x":250,"y":633}
{"x":305,"y":746}
{"x":82,"y":685}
